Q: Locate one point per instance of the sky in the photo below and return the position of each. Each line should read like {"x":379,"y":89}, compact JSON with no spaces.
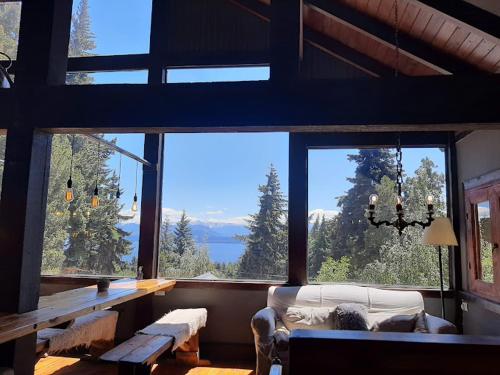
{"x":214,"y":177}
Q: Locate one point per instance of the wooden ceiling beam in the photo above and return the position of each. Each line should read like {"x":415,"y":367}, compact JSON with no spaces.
{"x":264,"y":106}
{"x":385,"y":33}
{"x":469,"y":14}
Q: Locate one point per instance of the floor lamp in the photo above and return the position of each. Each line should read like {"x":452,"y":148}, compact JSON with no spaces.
{"x":440,"y":233}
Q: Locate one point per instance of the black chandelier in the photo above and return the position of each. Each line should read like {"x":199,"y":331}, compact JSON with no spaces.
{"x":400,"y":223}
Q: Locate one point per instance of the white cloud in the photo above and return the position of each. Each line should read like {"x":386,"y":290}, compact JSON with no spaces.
{"x":319,"y":212}
{"x":215,"y":212}
{"x":483,"y":212}
{"x":237,"y":220}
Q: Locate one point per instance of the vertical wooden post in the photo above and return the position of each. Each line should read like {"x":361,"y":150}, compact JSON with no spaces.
{"x":297,"y":210}
{"x":455,"y":258}
{"x":42,"y":60}
{"x":286,"y":40}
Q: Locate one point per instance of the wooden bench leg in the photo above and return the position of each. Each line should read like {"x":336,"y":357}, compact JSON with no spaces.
{"x":129,"y":369}
{"x":189,"y":352}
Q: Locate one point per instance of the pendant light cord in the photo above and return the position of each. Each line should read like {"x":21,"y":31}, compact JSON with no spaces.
{"x":72,"y":154}
{"x":136,"y":167}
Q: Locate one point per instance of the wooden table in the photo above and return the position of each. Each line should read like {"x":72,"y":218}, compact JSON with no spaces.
{"x":65,"y":306}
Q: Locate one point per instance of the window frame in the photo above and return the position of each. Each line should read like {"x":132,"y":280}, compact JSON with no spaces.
{"x":474,"y":194}
{"x":301,"y":143}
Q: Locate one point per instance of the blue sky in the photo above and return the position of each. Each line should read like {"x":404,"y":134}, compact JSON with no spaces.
{"x":214,"y":177}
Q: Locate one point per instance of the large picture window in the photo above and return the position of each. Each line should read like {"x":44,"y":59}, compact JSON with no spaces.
{"x":82,"y":237}
{"x":225,"y":207}
{"x":343,"y":247}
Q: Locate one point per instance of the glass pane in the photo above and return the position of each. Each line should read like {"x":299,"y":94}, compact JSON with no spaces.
{"x":80,"y":238}
{"x":100,"y":78}
{"x":110,"y":27}
{"x":343,"y":246}
{"x":10,"y":17}
{"x":252,"y":73}
{"x":225,"y":206}
{"x":3,"y":139}
{"x":485,"y":241}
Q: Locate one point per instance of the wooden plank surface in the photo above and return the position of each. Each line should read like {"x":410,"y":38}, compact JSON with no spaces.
{"x":65,"y":306}
{"x":148,"y":353}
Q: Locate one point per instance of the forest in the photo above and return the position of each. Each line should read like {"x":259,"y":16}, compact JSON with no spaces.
{"x":85,"y":240}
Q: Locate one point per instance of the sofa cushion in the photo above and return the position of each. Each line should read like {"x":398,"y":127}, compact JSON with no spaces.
{"x":396,"y":323}
{"x":350,"y":316}
{"x":308,"y":318}
{"x":387,"y":303}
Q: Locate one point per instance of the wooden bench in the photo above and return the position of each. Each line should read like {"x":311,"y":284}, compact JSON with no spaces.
{"x":138,"y":354}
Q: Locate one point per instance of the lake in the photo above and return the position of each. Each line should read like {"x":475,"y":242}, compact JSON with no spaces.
{"x":225,"y":252}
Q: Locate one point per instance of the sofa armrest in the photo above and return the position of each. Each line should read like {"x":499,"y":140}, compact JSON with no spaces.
{"x":439,"y":325}
{"x":264,"y":322}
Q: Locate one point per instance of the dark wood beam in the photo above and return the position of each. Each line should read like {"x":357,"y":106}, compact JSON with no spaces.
{"x":42,"y":60}
{"x":297,"y":210}
{"x":351,"y":55}
{"x":322,"y":41}
{"x":286,"y":40}
{"x":440,"y":102}
{"x":469,"y":14}
{"x":385,"y":32}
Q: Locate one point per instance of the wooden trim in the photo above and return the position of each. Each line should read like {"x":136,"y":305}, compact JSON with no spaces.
{"x":226,"y":284}
{"x":487,"y":179}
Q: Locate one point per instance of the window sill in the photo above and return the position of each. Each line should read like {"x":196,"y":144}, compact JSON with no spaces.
{"x":80,"y":280}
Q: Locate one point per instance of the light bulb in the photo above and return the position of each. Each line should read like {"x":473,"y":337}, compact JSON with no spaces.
{"x":373,"y":199}
{"x":430,"y":199}
{"x":94,"y":203}
{"x":134,"y":204}
{"x":69,"y":196}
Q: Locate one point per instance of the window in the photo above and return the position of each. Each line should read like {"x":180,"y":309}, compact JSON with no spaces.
{"x":10,"y":17}
{"x":3,"y":139}
{"x":342,"y":246}
{"x":86,"y":240}
{"x":483,"y":213}
{"x":225,"y":206}
{"x":233,"y":74}
{"x":111,"y":27}
{"x":100,"y":78}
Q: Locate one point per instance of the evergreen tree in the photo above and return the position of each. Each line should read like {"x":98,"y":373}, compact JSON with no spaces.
{"x":320,"y":246}
{"x":10,"y":15}
{"x":372,"y":165}
{"x":168,"y":259}
{"x":82,"y":41}
{"x":334,"y":270}
{"x":265,"y":256}
{"x":183,"y":240}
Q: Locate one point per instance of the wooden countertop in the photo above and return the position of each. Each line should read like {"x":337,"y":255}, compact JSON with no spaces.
{"x":65,"y":306}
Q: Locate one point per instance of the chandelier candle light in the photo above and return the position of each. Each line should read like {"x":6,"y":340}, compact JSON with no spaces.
{"x":400,"y":223}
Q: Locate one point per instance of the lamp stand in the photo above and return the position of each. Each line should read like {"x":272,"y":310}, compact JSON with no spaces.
{"x":441,"y":281}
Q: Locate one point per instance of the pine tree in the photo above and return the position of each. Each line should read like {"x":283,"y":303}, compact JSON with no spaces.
{"x":372,"y":165}
{"x":183,"y":240}
{"x":168,"y":259}
{"x":82,"y":41}
{"x":265,"y":256}
{"x":320,"y":247}
{"x":10,"y":14}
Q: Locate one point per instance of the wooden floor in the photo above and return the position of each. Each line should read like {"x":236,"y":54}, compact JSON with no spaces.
{"x":75,"y":366}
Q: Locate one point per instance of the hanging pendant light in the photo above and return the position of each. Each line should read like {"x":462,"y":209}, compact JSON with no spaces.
{"x":94,"y":203}
{"x":69,"y":196}
{"x":118,"y":193}
{"x":134,"y":204}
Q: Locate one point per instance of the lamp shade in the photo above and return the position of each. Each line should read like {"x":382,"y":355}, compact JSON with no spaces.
{"x":440,"y":233}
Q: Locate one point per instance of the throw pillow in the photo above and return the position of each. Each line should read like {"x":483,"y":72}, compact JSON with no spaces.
{"x":308,"y":318}
{"x":396,"y":323}
{"x":350,"y":316}
{"x":421,"y":323}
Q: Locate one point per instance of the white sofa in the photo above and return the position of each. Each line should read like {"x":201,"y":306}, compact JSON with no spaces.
{"x":271,"y":326}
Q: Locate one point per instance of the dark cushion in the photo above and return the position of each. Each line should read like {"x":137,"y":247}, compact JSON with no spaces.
{"x":350,"y":316}
{"x":396,"y":323}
